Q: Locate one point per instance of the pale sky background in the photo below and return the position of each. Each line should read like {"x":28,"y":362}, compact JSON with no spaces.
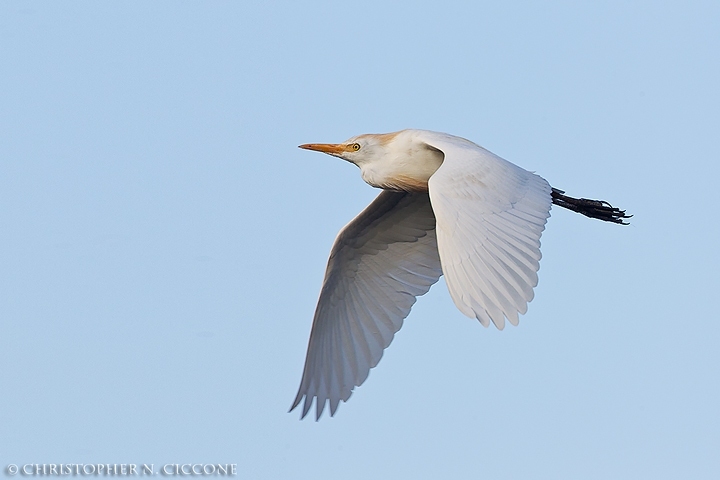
{"x":163,"y":240}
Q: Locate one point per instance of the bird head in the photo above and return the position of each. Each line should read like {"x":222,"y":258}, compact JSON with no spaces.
{"x":359,"y":150}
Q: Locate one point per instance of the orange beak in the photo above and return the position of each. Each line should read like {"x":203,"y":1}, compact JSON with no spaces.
{"x":329,"y":148}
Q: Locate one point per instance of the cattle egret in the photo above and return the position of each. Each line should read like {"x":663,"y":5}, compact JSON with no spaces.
{"x":447,"y":207}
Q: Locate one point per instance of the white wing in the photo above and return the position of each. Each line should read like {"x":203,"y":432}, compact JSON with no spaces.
{"x":490,"y":215}
{"x":379,"y":264}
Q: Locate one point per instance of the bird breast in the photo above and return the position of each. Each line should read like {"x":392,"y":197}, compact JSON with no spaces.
{"x":408,"y":171}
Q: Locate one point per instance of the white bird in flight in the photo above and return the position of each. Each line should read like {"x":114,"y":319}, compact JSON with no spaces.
{"x":448,"y":207}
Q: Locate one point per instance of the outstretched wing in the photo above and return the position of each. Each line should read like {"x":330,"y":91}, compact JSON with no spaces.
{"x":380,"y":262}
{"x":490,"y":215}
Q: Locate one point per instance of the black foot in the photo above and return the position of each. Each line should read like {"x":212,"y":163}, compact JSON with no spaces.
{"x":590,"y":208}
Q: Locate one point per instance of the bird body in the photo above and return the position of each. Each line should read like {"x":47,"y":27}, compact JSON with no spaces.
{"x":448,"y":207}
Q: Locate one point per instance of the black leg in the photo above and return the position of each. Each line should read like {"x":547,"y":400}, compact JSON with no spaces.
{"x":590,"y":208}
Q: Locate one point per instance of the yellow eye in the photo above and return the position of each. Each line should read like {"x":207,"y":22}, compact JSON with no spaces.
{"x":355,"y":147}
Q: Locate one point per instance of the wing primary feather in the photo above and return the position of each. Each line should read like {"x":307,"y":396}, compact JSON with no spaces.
{"x":497,"y":301}
{"x":508,"y":272}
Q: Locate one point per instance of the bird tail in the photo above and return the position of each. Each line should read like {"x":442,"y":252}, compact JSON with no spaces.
{"x":590,"y":208}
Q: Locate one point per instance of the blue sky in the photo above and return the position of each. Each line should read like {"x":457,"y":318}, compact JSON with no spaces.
{"x":163,"y":240}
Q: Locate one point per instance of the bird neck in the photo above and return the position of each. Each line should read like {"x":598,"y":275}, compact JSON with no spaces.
{"x":405,"y":167}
